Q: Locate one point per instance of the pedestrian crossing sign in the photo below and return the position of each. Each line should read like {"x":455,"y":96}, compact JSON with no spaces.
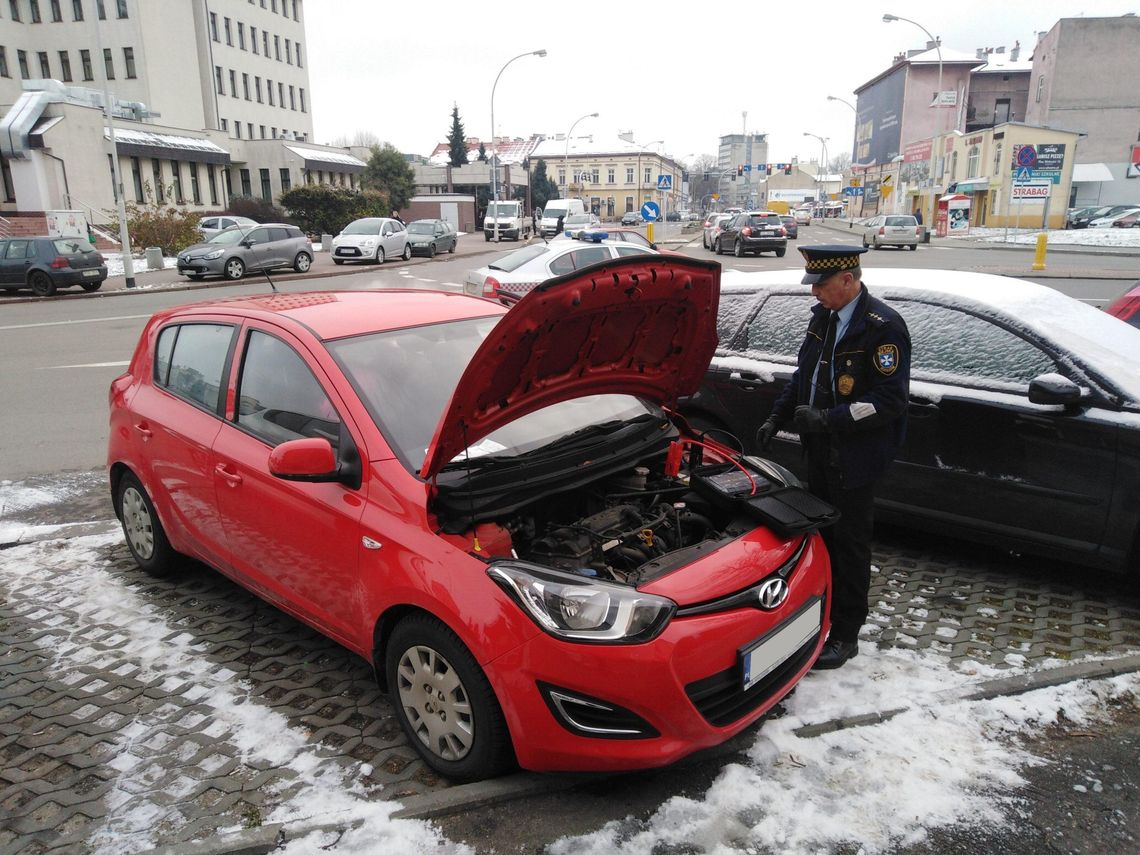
{"x":664,"y":182}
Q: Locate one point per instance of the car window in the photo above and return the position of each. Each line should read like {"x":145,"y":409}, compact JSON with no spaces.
{"x":951,"y":345}
{"x":514,"y":260}
{"x":778,"y":328}
{"x":635,"y":238}
{"x":734,"y":308}
{"x":70,"y":246}
{"x":279,"y":399}
{"x":387,"y":229}
{"x":901,"y":221}
{"x":278,"y":234}
{"x":190,"y":360}
{"x":578,"y":259}
{"x":19,"y":249}
{"x":623,"y":251}
{"x":208,"y":223}
{"x":257,"y":235}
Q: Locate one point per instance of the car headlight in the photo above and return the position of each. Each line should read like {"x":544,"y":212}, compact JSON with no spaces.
{"x":579,"y":609}
{"x":210,"y":256}
{"x":368,"y":241}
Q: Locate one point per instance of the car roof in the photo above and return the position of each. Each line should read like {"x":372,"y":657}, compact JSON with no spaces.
{"x":338,"y":314}
{"x":1103,"y":343}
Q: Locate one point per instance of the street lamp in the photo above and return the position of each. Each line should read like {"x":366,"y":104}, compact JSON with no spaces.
{"x":120,"y":201}
{"x":566,"y":151}
{"x":842,"y":101}
{"x":822,"y":161}
{"x":639,"y":151}
{"x":494,"y":153}
{"x":887,"y":18}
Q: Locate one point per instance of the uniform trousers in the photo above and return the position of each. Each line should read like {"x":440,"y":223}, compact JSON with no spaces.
{"x":849,"y":544}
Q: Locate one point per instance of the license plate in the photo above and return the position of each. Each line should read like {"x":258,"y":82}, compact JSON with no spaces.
{"x":767,"y":233}
{"x":767,"y":654}
{"x":90,"y":272}
{"x":348,"y":251}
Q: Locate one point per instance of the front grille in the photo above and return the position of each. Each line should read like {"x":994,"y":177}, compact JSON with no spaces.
{"x":586,"y":716}
{"x":720,"y":699}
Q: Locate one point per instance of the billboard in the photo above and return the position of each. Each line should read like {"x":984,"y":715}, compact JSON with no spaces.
{"x":878,"y":127}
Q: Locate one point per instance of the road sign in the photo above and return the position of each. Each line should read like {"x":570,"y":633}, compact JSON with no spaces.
{"x":664,"y":182}
{"x":650,"y":212}
{"x":748,"y":167}
{"x":716,"y":197}
{"x":1023,"y":175}
{"x":1037,"y":191}
{"x":1027,"y":156}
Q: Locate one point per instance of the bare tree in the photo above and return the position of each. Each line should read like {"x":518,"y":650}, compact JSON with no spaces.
{"x":840,"y":163}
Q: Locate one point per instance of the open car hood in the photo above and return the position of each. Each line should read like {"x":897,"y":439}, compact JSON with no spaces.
{"x":642,"y":325}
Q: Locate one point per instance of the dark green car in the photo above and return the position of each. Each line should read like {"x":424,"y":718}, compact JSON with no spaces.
{"x":427,"y":237}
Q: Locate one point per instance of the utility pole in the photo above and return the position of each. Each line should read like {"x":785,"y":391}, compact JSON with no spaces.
{"x":124,"y":237}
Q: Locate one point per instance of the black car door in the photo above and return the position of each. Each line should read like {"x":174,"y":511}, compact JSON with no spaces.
{"x":979,"y":454}
{"x":17,"y":261}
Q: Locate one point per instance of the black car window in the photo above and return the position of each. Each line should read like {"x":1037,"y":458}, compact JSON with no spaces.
{"x":949,"y":345}
{"x":623,"y":251}
{"x":208,"y":223}
{"x":279,"y":399}
{"x":190,"y":360}
{"x":778,"y":328}
{"x":19,"y":249}
{"x":734,"y":309}
{"x":578,"y":259}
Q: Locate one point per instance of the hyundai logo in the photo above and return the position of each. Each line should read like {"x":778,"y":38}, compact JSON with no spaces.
{"x":772,"y":594}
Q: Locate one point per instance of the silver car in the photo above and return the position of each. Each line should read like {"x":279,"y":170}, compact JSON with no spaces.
{"x":891,"y":230}
{"x":211,"y":226}
{"x":230,"y":254}
{"x":371,"y":239}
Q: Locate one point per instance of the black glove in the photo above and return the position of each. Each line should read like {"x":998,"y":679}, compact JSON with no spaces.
{"x":765,"y":433}
{"x":810,"y":420}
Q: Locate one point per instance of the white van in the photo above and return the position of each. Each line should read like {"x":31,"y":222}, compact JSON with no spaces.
{"x":558,"y":209}
{"x":512,"y":220}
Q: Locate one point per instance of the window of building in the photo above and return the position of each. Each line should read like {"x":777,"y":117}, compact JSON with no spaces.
{"x":610,"y":175}
{"x":212,"y":178}
{"x":129,"y":62}
{"x":997,"y":160}
{"x":298,"y":47}
{"x":195,"y":190}
{"x":286,"y":181}
{"x":34,"y":10}
{"x":257,"y":88}
{"x":273,"y":133}
{"x":561,"y":177}
{"x":122,"y":8}
{"x":302,"y":94}
{"x":647,"y":174}
{"x":245,"y":86}
{"x":253,"y":38}
{"x":295,"y":14}
{"x":972,"y":159}
{"x":274,"y":4}
{"x":233,"y":83}
{"x":4,"y":63}
{"x":56,"y":12}
{"x":292,"y":99}
{"x":100,"y":11}
{"x":77,"y":10}
{"x":213,"y":25}
{"x":22,"y":59}
{"x":225,"y":125}
{"x":85,"y":61}
{"x":269,"y":91}
{"x":281,"y":94}
{"x":594,"y":177}
{"x":109,"y":63}
{"x":1040,"y":87}
{"x":136,"y":176}
{"x":176,"y":181}
{"x":229,"y":33}
{"x":45,"y":66}
{"x":261,"y":130}
{"x":241,"y":35}
{"x":277,"y":48}
{"x":237,"y":130}
{"x":265,"y":42}
{"x":159,"y":189}
{"x":246,"y":187}
{"x":288,"y":52}
{"x":1001,"y":111}
{"x":14,"y":8}
{"x":227,"y":183}
{"x":266,"y":189}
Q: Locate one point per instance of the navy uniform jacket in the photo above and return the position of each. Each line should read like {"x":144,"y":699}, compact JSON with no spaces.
{"x":872,"y":384}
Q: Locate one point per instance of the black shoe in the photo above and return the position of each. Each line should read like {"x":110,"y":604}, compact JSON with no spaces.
{"x":835,"y":653}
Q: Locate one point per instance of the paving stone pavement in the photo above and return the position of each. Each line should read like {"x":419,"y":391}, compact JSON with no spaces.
{"x":137,"y":711}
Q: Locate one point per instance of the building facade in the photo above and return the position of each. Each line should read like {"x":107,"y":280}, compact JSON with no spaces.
{"x":740,"y":156}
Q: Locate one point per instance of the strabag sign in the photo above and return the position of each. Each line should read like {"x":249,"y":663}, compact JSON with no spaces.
{"x":1031,"y":192}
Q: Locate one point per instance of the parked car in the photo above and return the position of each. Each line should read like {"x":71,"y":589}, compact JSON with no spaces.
{"x":211,"y":226}
{"x":495,"y":509}
{"x":892,"y":230}
{"x":46,"y":263}
{"x":1115,"y":216}
{"x":1080,"y":218}
{"x":243,"y":249}
{"x":790,"y":226}
{"x":1128,"y":220}
{"x":1127,"y":306}
{"x":711,"y":229}
{"x":803,"y":216}
{"x":427,"y":237}
{"x":631,"y":218}
{"x":752,"y":232}
{"x":579,"y":223}
{"x":508,"y":278}
{"x":610,"y":233}
{"x":1024,"y":416}
{"x":1103,"y":217}
{"x":373,"y":239}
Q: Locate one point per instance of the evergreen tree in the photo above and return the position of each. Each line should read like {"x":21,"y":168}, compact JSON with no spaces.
{"x":390,"y":173}
{"x":482,"y":153}
{"x":456,"y":140}
{"x":542,"y":189}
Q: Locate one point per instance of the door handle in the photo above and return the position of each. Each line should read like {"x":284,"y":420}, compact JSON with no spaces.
{"x":922,"y":409}
{"x":231,"y":478}
{"x":738,"y":379}
{"x":144,"y":431}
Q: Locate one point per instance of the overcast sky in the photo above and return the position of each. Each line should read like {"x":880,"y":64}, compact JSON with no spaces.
{"x":682,"y":72}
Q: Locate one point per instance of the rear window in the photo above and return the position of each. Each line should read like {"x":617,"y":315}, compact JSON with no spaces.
{"x":764,"y":220}
{"x":902,"y":221}
{"x":71,"y":246}
{"x":516,"y":259}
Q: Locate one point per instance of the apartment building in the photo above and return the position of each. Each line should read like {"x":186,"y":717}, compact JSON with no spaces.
{"x":210,"y":98}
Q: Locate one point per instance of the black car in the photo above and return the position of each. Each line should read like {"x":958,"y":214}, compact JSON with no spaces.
{"x":427,"y":237}
{"x":631,"y":218}
{"x":46,"y":263}
{"x":790,"y":226}
{"x":1023,"y":427}
{"x":753,"y":232}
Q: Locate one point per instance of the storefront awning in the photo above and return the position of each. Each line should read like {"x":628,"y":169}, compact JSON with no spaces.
{"x":171,"y":146}
{"x":974,"y":185}
{"x":1085,"y":173}
{"x":331,"y":161}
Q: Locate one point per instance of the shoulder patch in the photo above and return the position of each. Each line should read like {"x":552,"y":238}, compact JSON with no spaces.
{"x":887,"y":359}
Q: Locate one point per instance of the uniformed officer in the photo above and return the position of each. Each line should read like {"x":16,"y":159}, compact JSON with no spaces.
{"x":848,"y":400}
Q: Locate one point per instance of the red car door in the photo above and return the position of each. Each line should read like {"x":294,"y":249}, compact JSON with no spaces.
{"x":298,"y":543}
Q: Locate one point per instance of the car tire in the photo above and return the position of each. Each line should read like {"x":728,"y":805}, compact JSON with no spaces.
{"x":335,"y":261}
{"x":234,"y":269}
{"x":454,"y":244}
{"x":379,"y":259}
{"x":875,"y":245}
{"x":431,"y":250}
{"x":780,"y":252}
{"x":865,"y":244}
{"x":90,"y":287}
{"x":424,"y":656}
{"x":738,"y":249}
{"x":408,"y":251}
{"x":195,"y":277}
{"x":302,"y":262}
{"x":145,"y":536}
{"x":716,"y":246}
{"x":41,"y":284}
{"x":913,"y":247}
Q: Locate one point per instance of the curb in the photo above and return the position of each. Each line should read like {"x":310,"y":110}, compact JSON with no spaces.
{"x":466,"y":797}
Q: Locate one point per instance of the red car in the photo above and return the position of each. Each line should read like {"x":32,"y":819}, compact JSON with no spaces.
{"x":1127,"y":306}
{"x":497,"y":509}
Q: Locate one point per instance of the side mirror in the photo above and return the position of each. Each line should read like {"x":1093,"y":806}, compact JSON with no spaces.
{"x":311,"y":459}
{"x":653,"y":246}
{"x":1054,"y":389}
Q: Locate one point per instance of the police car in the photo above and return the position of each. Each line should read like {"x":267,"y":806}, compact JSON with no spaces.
{"x":508,"y":278}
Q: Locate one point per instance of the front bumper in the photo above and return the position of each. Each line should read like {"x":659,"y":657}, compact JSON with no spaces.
{"x":200,"y":267}
{"x":679,"y":693}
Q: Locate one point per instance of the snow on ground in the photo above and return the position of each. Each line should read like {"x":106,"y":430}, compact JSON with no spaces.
{"x":940,"y":761}
{"x":1057,"y":237}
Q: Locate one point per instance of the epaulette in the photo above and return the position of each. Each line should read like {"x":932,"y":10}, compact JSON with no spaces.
{"x":877,"y":318}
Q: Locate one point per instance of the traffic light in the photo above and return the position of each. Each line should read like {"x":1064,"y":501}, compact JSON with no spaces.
{"x":739,"y":170}
{"x":787,"y":169}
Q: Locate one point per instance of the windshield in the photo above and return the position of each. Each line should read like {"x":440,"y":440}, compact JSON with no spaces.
{"x":230,"y":236}
{"x":406,"y":377}
{"x":370,"y":226}
{"x":553,"y":212}
{"x":578,"y":218}
{"x":514,"y":260}
{"x":424,"y":228}
{"x":502,"y":209}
